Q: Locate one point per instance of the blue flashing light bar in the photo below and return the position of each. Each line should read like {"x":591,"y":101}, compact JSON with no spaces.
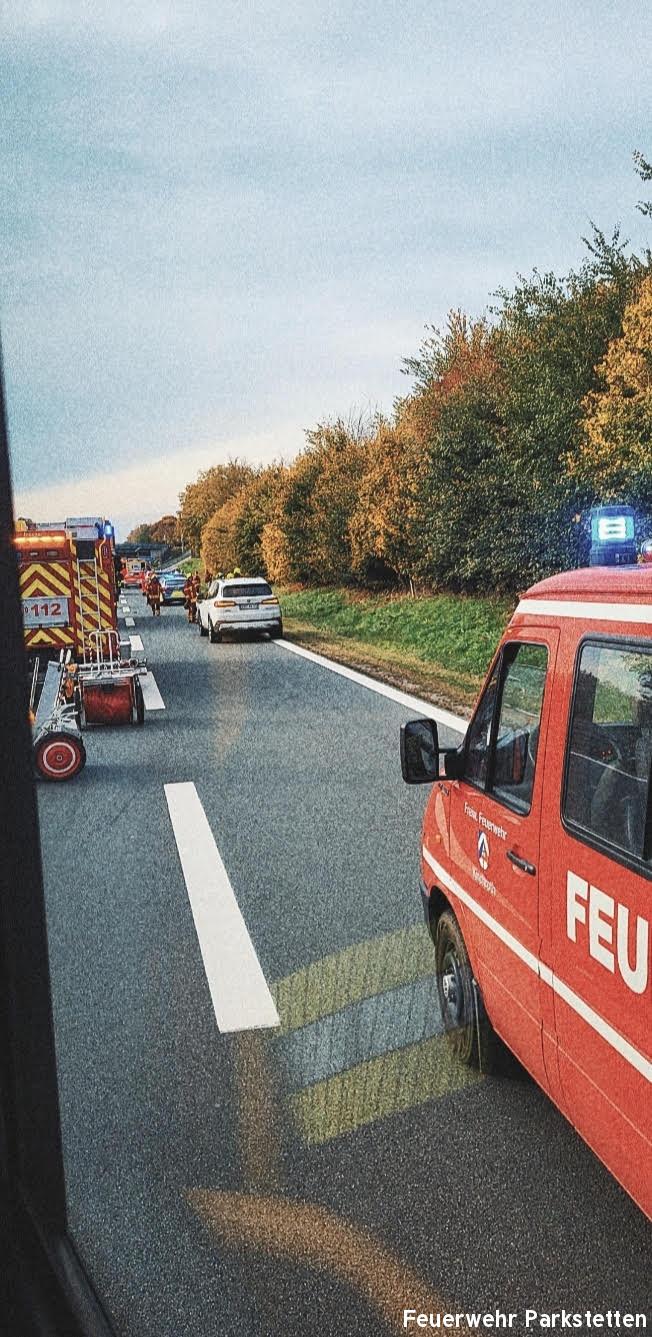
{"x":612,"y":536}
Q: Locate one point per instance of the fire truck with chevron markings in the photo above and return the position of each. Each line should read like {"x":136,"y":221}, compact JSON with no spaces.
{"x":68,"y":583}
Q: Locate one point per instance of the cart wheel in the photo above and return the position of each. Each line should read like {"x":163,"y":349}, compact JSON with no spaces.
{"x":138,"y":713}
{"x":59,"y":756}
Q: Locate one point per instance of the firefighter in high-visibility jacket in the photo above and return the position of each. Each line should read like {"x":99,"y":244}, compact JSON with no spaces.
{"x":190,"y":596}
{"x":154,"y":594}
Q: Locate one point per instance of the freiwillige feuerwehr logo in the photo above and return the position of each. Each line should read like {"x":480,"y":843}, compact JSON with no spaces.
{"x":483,"y":850}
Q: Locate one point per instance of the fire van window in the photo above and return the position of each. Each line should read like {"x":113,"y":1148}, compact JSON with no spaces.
{"x":610,"y":748}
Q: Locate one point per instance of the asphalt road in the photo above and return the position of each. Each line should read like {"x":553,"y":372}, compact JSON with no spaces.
{"x":327,"y":1175}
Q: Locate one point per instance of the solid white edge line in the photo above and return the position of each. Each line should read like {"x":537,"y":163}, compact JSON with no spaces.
{"x":136,"y":643}
{"x":130,"y":622}
{"x":238,"y":988}
{"x":563,"y":991}
{"x":601,"y":612}
{"x":444,"y":717}
{"x":151,"y":695}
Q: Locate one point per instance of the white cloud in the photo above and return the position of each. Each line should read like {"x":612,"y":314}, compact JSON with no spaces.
{"x":38,"y":15}
{"x":143,"y":492}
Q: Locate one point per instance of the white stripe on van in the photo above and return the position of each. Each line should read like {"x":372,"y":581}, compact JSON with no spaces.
{"x":593,"y":1019}
{"x":615,"y":612}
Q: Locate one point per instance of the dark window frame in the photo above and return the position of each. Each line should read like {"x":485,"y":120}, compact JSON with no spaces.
{"x":499,"y":663}
{"x":46,"y":1288}
{"x":496,"y":665}
{"x":573,"y":829}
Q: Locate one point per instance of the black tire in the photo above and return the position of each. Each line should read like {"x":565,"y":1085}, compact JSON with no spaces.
{"x":214,"y":635}
{"x":459,"y":1001}
{"x":276,"y":632}
{"x":203,"y":631}
{"x":59,"y":756}
{"x":138,"y":712}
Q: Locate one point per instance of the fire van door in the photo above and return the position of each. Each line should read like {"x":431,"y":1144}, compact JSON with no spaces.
{"x":495,"y":832}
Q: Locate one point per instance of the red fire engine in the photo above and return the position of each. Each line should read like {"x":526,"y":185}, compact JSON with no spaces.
{"x":68,"y":587}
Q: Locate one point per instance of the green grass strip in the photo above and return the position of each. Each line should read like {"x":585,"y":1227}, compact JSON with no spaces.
{"x":456,"y":632}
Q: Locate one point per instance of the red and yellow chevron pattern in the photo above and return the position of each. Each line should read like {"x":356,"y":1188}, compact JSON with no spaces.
{"x":45,"y":581}
{"x":59,"y":636}
{"x":87,"y":587}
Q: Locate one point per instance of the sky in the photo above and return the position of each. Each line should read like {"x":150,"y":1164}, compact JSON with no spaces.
{"x":225,"y":222}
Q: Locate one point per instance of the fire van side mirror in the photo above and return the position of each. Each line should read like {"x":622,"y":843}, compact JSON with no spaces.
{"x":419,"y":752}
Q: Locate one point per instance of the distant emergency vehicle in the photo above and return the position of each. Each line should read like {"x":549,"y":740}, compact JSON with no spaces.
{"x":67,"y":583}
{"x":536,"y":858}
{"x":69,"y":593}
{"x":132,"y":571}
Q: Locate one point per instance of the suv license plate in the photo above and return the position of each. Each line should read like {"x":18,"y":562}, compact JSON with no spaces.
{"x":246,"y":607}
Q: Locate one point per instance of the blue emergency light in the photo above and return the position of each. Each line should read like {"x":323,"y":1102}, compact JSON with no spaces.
{"x":108,"y":531}
{"x":612,"y":536}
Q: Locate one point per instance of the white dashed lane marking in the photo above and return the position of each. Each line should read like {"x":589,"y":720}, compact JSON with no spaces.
{"x":238,"y":988}
{"x":151,"y":695}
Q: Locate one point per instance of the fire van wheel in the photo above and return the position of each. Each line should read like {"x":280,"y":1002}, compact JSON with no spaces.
{"x":138,"y":712}
{"x":456,"y":997}
{"x":214,"y":634}
{"x":59,"y":756}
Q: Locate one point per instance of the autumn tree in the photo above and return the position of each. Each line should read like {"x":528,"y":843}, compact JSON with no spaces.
{"x":233,"y":535}
{"x":254,"y":509}
{"x":644,"y":170}
{"x":454,"y":415}
{"x":550,"y":335}
{"x":386,"y":529}
{"x":615,"y":456}
{"x":201,"y":499}
{"x":287,"y":535}
{"x":218,"y":537}
{"x":338,"y":455}
{"x":141,"y":534}
{"x":278,"y":559}
{"x":165,"y":530}
{"x":306,"y":535}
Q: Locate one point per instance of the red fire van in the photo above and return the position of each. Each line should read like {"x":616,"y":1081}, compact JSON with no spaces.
{"x":537,"y":859}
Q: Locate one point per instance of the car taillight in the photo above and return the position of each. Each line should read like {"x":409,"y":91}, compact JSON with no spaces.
{"x":224,"y":603}
{"x":269,"y":601}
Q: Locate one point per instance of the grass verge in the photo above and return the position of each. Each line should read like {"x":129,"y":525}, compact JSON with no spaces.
{"x":437,"y":646}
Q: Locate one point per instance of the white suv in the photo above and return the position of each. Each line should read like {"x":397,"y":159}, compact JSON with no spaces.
{"x":245,"y":603}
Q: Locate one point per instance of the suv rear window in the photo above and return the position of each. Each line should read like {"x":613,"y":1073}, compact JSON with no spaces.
{"x":610,"y":748}
{"x":261,"y":590}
